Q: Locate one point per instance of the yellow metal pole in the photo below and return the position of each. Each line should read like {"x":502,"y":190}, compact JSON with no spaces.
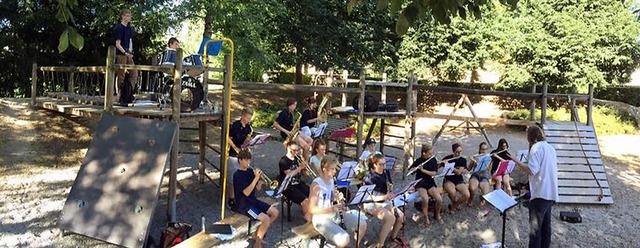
{"x":227,"y":119}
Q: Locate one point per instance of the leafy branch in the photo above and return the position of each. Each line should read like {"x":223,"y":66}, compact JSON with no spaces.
{"x":70,"y":34}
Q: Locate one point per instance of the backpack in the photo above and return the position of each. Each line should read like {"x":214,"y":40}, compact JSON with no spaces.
{"x":126,"y":91}
{"x":175,"y":233}
{"x":371,"y":104}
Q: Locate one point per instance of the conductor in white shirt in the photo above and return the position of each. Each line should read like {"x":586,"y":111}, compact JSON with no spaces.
{"x":542,"y":169}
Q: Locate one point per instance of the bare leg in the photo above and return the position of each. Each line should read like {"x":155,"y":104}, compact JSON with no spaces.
{"x":262,"y":230}
{"x":362,"y":230}
{"x":451,"y":192}
{"x":425,"y":204}
{"x":506,"y":181}
{"x":473,"y":187}
{"x":305,"y":210}
{"x":464,"y":194}
{"x":398,"y":224}
{"x":435,"y":193}
{"x":388,"y":220}
{"x":484,"y":187}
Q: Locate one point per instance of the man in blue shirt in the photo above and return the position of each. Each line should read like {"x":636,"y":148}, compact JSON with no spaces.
{"x":124,"y":48}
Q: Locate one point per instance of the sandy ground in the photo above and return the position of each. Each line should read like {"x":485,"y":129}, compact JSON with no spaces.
{"x":40,"y":154}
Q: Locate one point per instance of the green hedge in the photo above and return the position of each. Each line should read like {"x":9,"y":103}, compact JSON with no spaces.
{"x":619,"y":93}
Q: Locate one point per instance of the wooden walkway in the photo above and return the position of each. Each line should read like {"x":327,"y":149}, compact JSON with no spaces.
{"x":579,"y":163}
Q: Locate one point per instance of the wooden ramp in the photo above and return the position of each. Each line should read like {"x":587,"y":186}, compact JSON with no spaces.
{"x":579,"y":163}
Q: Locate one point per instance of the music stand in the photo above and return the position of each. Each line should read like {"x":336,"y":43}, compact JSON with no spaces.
{"x":404,"y":202}
{"x":523,"y":155}
{"x":278,"y":194}
{"x":342,"y":133}
{"x":347,"y":171}
{"x":390,"y":163}
{"x":258,"y":140}
{"x":320,"y":130}
{"x":502,"y":202}
{"x":362,"y":196}
{"x":504,"y":167}
{"x":447,"y":171}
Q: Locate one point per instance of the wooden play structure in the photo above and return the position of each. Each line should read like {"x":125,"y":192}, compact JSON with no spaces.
{"x":582,"y":174}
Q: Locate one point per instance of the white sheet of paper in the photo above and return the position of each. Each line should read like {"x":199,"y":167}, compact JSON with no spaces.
{"x":363,"y":193}
{"x":500,"y":200}
{"x":347,"y":170}
{"x":512,"y":164}
{"x":320,"y":129}
{"x":447,"y":170}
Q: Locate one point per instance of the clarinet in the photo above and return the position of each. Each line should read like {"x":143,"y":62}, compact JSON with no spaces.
{"x":340,"y":200}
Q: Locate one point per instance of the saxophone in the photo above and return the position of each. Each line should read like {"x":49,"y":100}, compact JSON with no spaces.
{"x":294,"y":131}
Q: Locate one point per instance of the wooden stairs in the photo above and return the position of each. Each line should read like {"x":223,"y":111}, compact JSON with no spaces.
{"x":580,"y":165}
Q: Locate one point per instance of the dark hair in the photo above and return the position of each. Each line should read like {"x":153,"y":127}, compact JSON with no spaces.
{"x":244,"y":154}
{"x":317,"y":143}
{"x":292,"y":142}
{"x":455,"y":146}
{"x":291,"y":101}
{"x":327,"y":160}
{"x":482,"y":144}
{"x":172,"y":40}
{"x":374,"y":158}
{"x":310,"y":100}
{"x":502,"y":141}
{"x":535,"y":134}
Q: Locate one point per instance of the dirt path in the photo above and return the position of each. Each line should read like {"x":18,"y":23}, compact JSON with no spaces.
{"x":40,"y":153}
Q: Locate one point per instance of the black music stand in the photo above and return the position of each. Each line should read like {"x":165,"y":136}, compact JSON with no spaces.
{"x":502,"y":202}
{"x":278,"y":194}
{"x":402,"y":192}
{"x":362,"y":196}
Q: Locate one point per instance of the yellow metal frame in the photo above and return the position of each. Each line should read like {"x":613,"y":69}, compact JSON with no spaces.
{"x":227,"y":118}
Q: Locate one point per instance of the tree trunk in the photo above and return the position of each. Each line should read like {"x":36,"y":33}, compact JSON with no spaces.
{"x":209,"y":19}
{"x":298,"y":73}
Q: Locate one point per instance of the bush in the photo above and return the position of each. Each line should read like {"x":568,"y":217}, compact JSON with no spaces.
{"x":265,"y":115}
{"x":605,"y":119}
{"x":619,"y":93}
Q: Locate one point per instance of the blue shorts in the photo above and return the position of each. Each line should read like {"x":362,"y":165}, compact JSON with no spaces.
{"x":256,"y":209}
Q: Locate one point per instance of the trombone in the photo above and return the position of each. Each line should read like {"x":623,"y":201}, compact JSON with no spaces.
{"x":272,"y":184}
{"x":309,"y":171}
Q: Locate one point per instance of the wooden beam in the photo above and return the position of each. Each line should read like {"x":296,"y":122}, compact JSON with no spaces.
{"x":585,"y":199}
{"x":581,"y":183}
{"x":583,"y":191}
{"x":581,"y":134}
{"x":495,"y":120}
{"x":456,"y":90}
{"x":581,"y":168}
{"x":292,"y":87}
{"x":571,"y":153}
{"x":581,"y":175}
{"x":585,"y":141}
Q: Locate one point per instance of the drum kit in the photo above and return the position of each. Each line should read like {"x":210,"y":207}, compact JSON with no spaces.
{"x":194,"y":90}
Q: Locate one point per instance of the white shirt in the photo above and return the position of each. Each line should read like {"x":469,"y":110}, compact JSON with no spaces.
{"x":325,"y":199}
{"x":543,"y":163}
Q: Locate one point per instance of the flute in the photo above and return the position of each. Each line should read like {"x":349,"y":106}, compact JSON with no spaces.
{"x":480,"y":154}
{"x":447,"y":160}
{"x":414,"y":169}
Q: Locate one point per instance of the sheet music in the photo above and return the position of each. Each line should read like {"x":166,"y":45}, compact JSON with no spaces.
{"x":364,"y":194}
{"x":504,"y":167}
{"x":390,"y":163}
{"x":285,"y":183}
{"x":347,"y":170}
{"x":483,"y":162}
{"x":407,"y":187}
{"x":500,"y":200}
{"x":320,"y":130}
{"x":447,"y":171}
{"x":523,"y":155}
{"x":258,"y":140}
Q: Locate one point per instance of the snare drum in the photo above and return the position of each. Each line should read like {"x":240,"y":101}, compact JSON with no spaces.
{"x":193,"y":60}
{"x":168,"y":57}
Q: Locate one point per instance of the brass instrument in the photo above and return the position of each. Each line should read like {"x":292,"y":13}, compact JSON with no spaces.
{"x":248,"y":138}
{"x":320,"y":107}
{"x":293,"y":134}
{"x":414,"y":169}
{"x":272,"y":184}
{"x":309,"y":171}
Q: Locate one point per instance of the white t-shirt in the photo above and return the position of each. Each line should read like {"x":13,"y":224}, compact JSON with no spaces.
{"x":543,"y":163}
{"x":325,"y":199}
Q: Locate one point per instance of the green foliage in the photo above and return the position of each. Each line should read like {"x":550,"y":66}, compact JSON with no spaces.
{"x":410,"y":12}
{"x":568,"y":42}
{"x":626,"y":94}
{"x":606,"y":120}
{"x":265,"y":115}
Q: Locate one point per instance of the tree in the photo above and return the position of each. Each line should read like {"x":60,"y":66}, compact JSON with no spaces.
{"x":570,"y":42}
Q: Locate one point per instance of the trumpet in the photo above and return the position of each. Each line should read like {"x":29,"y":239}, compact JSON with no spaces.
{"x":309,"y":171}
{"x":414,"y":169}
{"x":272,"y":184}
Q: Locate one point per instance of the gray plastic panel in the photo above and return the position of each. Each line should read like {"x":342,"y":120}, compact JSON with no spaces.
{"x":116,"y":189}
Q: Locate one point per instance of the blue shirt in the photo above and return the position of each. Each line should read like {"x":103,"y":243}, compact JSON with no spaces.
{"x":241,"y":180}
{"x":124,"y":34}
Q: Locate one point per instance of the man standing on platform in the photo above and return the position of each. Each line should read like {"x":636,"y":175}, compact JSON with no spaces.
{"x":124,"y":48}
{"x":542,"y":169}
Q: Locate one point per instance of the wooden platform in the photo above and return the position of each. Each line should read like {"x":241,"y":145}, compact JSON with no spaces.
{"x":91,"y":106}
{"x":578,"y":155}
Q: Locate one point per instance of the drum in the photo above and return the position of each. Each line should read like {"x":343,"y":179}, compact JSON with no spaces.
{"x":193,"y":59}
{"x":191,"y":86}
{"x":168,"y":57}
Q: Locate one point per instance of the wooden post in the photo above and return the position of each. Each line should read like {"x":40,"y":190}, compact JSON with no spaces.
{"x":71,"y":83}
{"x":175,"y":117}
{"x":383,"y":92}
{"x":543,"y":117}
{"x":572,"y":104}
{"x":532,"y":109}
{"x":382,"y":128}
{"x":34,"y":83}
{"x":590,"y":106}
{"x":224,"y":153}
{"x":408,"y":148}
{"x":202,"y":140}
{"x":361,"y":119}
{"x":345,"y":78}
{"x":109,"y":78}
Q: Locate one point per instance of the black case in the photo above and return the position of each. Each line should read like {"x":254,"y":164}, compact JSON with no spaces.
{"x":571,"y":217}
